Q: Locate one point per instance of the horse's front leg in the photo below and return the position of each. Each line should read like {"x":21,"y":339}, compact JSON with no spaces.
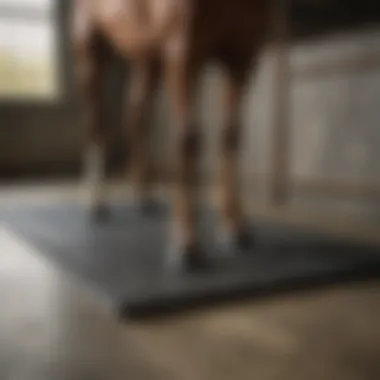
{"x":235,"y":230}
{"x":140,"y":98}
{"x":186,"y":250}
{"x":91,"y":60}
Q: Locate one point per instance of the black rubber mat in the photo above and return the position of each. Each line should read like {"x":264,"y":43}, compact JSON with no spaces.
{"x":124,"y":257}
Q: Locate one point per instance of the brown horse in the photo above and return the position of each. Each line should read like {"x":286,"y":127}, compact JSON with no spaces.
{"x":173,"y":39}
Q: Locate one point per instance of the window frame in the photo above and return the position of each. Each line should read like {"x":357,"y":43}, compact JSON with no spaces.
{"x":66,"y":98}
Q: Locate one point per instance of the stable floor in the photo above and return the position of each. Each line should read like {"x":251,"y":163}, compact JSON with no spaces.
{"x":51,"y":327}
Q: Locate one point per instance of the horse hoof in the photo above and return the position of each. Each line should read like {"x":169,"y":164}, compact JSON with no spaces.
{"x":185,"y":259}
{"x":242,"y":240}
{"x":196,"y":262}
{"x":100,"y":213}
{"x":245,"y":239}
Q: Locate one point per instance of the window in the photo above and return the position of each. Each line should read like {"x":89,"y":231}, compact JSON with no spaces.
{"x":28,"y":67}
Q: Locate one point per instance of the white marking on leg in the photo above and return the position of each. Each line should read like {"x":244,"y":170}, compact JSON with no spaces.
{"x":174,"y":258}
{"x":225,"y":238}
{"x":95,"y":174}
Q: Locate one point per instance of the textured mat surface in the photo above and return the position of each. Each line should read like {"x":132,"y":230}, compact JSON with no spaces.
{"x":123,"y":257}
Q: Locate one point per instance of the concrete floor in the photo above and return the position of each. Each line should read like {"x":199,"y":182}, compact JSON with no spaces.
{"x":53,"y":328}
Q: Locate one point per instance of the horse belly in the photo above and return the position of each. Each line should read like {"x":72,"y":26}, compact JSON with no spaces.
{"x":133,"y":25}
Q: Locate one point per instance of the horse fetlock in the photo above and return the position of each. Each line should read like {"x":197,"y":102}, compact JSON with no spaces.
{"x":231,"y":240}
{"x":95,"y":163}
{"x":185,"y":255}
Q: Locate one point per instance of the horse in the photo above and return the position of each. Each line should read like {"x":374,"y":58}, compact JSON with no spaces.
{"x":171,"y":41}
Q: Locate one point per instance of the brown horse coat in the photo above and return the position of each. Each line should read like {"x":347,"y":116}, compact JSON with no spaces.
{"x":173,"y":40}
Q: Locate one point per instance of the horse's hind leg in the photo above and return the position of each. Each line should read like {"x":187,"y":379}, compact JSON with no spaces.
{"x":91,"y":60}
{"x":235,"y":230}
{"x":140,"y":99}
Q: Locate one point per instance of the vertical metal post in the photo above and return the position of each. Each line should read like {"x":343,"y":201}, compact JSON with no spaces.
{"x":281,"y":106}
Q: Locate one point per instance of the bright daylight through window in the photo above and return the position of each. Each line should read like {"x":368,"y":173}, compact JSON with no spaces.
{"x":28,"y":67}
